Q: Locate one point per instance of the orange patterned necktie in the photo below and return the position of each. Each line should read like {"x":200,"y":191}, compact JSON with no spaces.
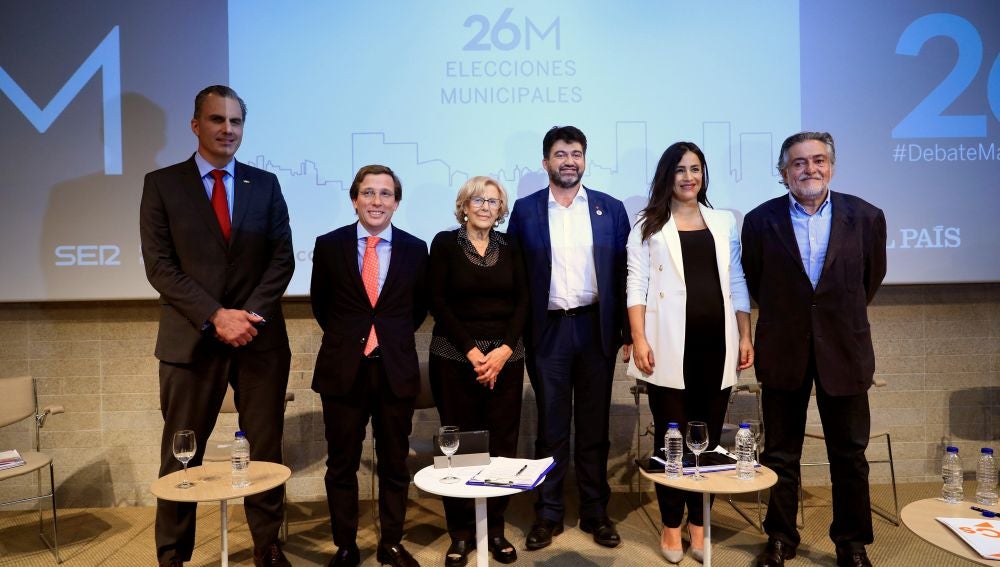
{"x":369,"y":275}
{"x":220,"y":203}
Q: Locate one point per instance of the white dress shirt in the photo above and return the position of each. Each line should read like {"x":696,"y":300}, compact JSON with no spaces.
{"x":574,"y":272}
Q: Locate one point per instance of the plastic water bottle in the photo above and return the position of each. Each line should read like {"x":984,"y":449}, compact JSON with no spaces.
{"x":986,"y":478}
{"x":744,"y":453}
{"x":951,"y":470}
{"x":241,"y":461}
{"x":673,"y":441}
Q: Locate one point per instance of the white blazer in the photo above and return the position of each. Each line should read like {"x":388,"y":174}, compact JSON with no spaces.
{"x":656,"y":280}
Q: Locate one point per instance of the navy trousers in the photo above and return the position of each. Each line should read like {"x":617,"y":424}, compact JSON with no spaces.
{"x":572,"y":377}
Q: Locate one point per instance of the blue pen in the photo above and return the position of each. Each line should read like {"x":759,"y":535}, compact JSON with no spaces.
{"x":985,"y":512}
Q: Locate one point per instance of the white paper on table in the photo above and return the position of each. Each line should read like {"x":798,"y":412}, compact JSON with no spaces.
{"x":515,"y":473}
{"x":983,"y":534}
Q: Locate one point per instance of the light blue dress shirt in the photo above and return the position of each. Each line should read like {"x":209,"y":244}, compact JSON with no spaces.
{"x":383,"y":249}
{"x":205,"y":169}
{"x":812,"y":232}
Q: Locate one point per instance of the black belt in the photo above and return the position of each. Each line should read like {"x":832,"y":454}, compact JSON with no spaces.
{"x":376,"y":353}
{"x":574,"y":311}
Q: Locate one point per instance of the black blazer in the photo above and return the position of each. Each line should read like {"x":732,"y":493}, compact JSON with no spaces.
{"x":340,"y":305}
{"x":834,"y":317}
{"x":196,"y":272}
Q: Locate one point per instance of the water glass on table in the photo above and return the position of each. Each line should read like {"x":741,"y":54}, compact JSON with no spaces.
{"x":697,"y":441}
{"x":448,"y":441}
{"x":185,"y":446}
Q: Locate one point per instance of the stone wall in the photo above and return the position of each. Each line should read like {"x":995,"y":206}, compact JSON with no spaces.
{"x":937,"y":348}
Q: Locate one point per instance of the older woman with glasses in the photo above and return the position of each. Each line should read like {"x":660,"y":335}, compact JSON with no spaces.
{"x":480,"y":304}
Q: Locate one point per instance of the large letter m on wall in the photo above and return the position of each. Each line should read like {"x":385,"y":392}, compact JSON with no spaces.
{"x":106,"y":56}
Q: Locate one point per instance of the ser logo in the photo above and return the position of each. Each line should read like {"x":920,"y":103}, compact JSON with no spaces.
{"x":88,"y":255}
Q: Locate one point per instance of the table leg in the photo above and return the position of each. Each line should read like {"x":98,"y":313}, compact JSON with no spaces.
{"x":706,"y":505}
{"x":482,"y":557}
{"x":224,"y":514}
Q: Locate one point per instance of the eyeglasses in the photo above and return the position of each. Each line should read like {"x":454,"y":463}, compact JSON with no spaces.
{"x":369,"y":195}
{"x":478,"y":202}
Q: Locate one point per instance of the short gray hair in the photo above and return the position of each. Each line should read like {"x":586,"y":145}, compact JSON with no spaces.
{"x":217,"y":90}
{"x":790,"y":141}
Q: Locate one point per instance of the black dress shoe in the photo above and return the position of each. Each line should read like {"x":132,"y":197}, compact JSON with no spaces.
{"x":775,"y":554}
{"x":347,"y":556}
{"x":395,"y":555}
{"x":270,"y":556}
{"x":541,"y":534}
{"x":849,"y":558}
{"x":604,"y":531}
{"x":502,"y":550}
{"x":458,"y":553}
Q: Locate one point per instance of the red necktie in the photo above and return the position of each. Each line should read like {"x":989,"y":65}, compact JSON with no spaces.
{"x":369,"y":275}
{"x":219,"y":202}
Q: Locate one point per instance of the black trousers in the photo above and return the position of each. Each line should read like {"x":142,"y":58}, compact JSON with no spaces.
{"x":572,"y":379}
{"x":345,"y":418}
{"x":190,"y":398}
{"x":682,"y":406}
{"x":846,"y":426}
{"x":462,"y":401}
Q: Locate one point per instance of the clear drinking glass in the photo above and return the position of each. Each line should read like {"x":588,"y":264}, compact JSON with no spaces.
{"x":184,"y":447}
{"x":697,"y":441}
{"x":448,"y":441}
{"x":756,"y":429}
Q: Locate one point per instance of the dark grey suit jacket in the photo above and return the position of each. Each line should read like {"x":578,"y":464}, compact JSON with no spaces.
{"x":196,"y":271}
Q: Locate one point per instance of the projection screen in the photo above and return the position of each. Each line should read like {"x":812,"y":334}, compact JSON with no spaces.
{"x":95,"y":95}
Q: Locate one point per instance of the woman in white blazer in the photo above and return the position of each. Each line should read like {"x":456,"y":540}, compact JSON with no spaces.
{"x":689,"y":310}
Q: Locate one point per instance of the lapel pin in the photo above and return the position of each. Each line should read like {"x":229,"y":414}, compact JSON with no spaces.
{"x":247,"y":181}
{"x":599,"y":211}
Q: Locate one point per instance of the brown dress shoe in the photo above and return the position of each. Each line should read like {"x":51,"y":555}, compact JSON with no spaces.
{"x":270,"y":556}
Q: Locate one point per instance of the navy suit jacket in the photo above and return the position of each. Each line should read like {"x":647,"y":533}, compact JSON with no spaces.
{"x":833,"y":318}
{"x":341,"y":306}
{"x":196,"y":271}
{"x":529,"y":223}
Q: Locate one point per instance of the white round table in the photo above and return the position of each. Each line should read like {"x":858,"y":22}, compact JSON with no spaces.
{"x":428,"y":479}
{"x":719,"y":482}
{"x":213,"y":482}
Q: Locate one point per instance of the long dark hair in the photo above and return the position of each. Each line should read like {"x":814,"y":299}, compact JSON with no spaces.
{"x":661,"y":190}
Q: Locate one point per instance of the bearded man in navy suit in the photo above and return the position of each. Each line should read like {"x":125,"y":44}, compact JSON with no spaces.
{"x":573,"y":241}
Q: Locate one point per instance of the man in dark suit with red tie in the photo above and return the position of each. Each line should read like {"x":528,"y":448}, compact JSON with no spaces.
{"x":369,"y":296}
{"x":814,"y":260}
{"x":218,"y":248}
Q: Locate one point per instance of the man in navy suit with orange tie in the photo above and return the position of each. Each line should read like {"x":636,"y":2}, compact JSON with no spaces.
{"x":573,"y":240}
{"x":369,"y":295}
{"x":218,"y":248}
